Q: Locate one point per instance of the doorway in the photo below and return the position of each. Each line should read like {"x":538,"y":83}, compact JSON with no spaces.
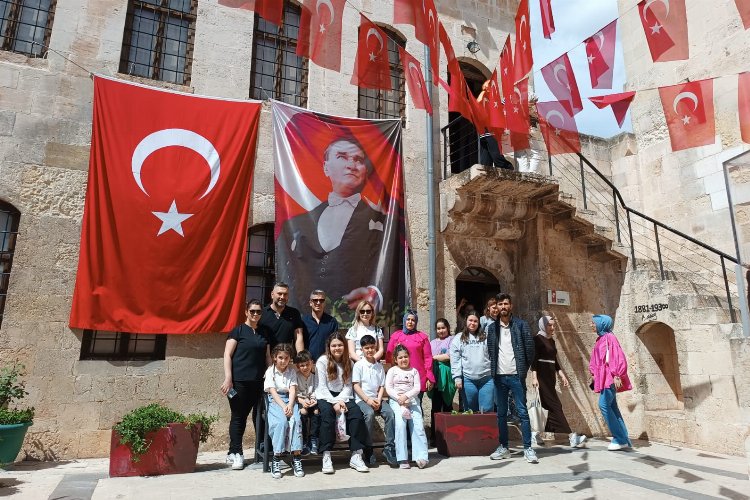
{"x":462,"y":135}
{"x":476,"y":285}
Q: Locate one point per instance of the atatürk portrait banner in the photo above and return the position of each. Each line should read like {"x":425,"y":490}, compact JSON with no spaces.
{"x":340,"y":211}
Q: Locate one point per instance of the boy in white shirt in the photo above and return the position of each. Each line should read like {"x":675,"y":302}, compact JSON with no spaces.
{"x":368,"y":378}
{"x":307,"y":381}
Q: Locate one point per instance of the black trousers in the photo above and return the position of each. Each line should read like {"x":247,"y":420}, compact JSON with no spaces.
{"x":355,"y":426}
{"x":489,"y":153}
{"x":310,"y":423}
{"x":247,"y":398}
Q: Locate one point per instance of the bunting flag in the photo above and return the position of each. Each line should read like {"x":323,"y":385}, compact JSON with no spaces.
{"x":689,"y":111}
{"x":415,"y":81}
{"x":494,"y":104}
{"x":524,"y":60}
{"x":445,"y":41}
{"x":457,"y":101}
{"x":478,"y":113}
{"x":371,"y":67}
{"x":558,"y":128}
{"x":422,"y":14}
{"x":506,"y":69}
{"x":270,"y":10}
{"x":548,"y":22}
{"x":743,"y":101}
{"x":600,"y":51}
{"x":519,"y":141}
{"x":665,"y":25}
{"x":320,"y":33}
{"x":517,"y":108}
{"x":562,"y":82}
{"x":620,"y":103}
{"x":743,"y":7}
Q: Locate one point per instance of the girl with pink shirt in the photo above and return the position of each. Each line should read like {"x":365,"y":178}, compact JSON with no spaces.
{"x":418,"y":345}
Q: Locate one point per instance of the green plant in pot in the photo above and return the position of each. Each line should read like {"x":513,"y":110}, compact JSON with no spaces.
{"x":14,"y":421}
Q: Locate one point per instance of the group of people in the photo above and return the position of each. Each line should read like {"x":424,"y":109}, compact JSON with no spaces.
{"x":324,"y":386}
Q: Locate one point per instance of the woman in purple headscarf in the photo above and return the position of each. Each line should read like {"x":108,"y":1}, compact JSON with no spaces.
{"x":609,"y":368}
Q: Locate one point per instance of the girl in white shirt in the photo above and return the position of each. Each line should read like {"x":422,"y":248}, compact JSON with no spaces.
{"x":364,"y":324}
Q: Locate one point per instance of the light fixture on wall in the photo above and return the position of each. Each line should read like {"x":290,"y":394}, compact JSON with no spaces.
{"x":473,"y":47}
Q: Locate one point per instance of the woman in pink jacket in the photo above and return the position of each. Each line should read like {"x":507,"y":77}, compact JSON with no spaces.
{"x":418,"y":345}
{"x":609,"y":368}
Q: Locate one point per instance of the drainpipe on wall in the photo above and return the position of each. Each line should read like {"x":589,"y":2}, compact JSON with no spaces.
{"x":431,"y":243}
{"x":739,"y":268}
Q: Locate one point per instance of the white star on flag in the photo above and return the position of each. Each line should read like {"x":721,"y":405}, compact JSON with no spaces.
{"x":656,"y":28}
{"x":685,"y":120}
{"x":372,"y":56}
{"x":322,"y":28}
{"x":591,"y":59}
{"x":171,"y":220}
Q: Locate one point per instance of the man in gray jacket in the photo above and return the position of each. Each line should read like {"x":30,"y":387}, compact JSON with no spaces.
{"x":511,"y":349}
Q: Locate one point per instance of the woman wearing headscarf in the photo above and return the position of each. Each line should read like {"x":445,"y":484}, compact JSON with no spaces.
{"x":544,"y":372}
{"x":418,"y":345}
{"x":609,"y":369}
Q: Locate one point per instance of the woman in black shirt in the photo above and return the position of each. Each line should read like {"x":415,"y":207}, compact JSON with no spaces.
{"x":246,"y":356}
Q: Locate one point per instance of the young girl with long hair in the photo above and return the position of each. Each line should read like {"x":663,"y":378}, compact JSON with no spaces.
{"x":470,"y":366}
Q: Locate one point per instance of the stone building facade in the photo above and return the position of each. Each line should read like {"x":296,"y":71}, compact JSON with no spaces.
{"x":525,"y":234}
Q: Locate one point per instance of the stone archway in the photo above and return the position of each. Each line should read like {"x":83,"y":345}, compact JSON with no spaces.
{"x":659,"y":367}
{"x":476,"y":285}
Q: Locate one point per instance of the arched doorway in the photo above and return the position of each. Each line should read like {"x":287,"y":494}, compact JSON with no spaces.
{"x":659,"y":367}
{"x":462,"y":135}
{"x":476,"y":285}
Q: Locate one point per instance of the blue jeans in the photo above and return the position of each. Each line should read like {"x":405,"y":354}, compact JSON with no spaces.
{"x":613,"y":417}
{"x":503,"y":385}
{"x":418,"y":435}
{"x":278,"y":426}
{"x":389,"y":428}
{"x":479,"y":395}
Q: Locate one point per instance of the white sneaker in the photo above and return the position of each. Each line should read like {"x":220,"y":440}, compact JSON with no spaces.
{"x":238,"y":462}
{"x":500,"y":453}
{"x":614,"y":446}
{"x":230,"y":458}
{"x":577,"y":441}
{"x":357,"y":463}
{"x":327,"y":463}
{"x":536,"y":440}
{"x":530,"y":455}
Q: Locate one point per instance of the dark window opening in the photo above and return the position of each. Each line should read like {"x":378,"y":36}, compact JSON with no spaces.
{"x":9,"y":218}
{"x":261,"y":271}
{"x":26,"y":25}
{"x":463,"y":138}
{"x":120,"y":346}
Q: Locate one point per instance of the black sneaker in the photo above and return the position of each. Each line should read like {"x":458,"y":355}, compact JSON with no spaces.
{"x":276,"y":467}
{"x":297,"y":466}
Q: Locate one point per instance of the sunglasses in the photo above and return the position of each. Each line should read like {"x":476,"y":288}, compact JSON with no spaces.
{"x":365,"y":311}
{"x":317,"y":301}
{"x":255,"y":311}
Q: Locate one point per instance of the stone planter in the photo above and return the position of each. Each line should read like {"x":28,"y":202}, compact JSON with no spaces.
{"x":173,"y":450}
{"x":466,"y":435}
{"x":11,"y":439}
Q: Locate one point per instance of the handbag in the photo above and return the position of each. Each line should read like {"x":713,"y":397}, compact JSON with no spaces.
{"x":537,"y":414}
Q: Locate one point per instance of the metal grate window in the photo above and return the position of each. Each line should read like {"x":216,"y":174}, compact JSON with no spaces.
{"x":378,"y":103}
{"x":158,"y":40}
{"x":9,"y":218}
{"x":119,"y":346}
{"x":25,"y":26}
{"x":261,"y":273}
{"x":277,"y":72}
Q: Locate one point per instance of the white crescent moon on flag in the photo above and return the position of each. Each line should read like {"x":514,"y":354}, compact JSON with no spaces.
{"x":600,"y":36}
{"x":556,"y":70}
{"x":647,"y":6}
{"x":518,"y":93}
{"x":176,"y":137}
{"x":328,"y":4}
{"x":555,"y":113}
{"x":374,"y":31}
{"x":413,"y":67}
{"x":685,"y":95}
{"x":523,"y":20}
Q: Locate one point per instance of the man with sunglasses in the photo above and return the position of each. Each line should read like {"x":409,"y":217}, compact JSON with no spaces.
{"x":318,"y":325}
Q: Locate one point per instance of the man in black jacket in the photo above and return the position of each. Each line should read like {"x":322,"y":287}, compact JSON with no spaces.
{"x":511,"y":350}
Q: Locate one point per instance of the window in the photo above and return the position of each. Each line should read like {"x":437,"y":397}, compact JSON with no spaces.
{"x":378,"y":103}
{"x":9,"y":217}
{"x":261,"y":273}
{"x":118,"y":346}
{"x":158,"y":40}
{"x":25,"y":26}
{"x":277,"y":72}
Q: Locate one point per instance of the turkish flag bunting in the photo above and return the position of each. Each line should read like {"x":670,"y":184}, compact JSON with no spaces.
{"x":371,"y":67}
{"x":457,"y":100}
{"x":519,"y":141}
{"x":506,"y":68}
{"x":320,"y":33}
{"x":164,"y":230}
{"x":562,"y":82}
{"x":743,"y":6}
{"x":270,"y":10}
{"x":558,"y":127}
{"x":600,"y":51}
{"x":445,"y":41}
{"x":493,"y":101}
{"x":743,"y":85}
{"x":620,"y":104}
{"x":689,"y":111}
{"x":478,"y":114}
{"x":524,"y":61}
{"x":665,"y":25}
{"x":422,"y":14}
{"x":548,"y":22}
{"x":415,"y":81}
{"x":517,"y":107}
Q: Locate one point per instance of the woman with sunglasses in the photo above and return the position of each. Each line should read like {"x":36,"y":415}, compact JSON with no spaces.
{"x":364,"y":324}
{"x":246,"y":357}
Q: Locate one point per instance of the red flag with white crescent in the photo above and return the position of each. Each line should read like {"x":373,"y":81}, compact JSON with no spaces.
{"x":620,"y":103}
{"x":320,"y":32}
{"x":494,"y":103}
{"x":371,"y":67}
{"x":164,"y":235}
{"x":524,"y":60}
{"x":743,"y":85}
{"x":548,"y":22}
{"x":517,"y":108}
{"x":270,"y":10}
{"x":562,"y":82}
{"x":665,"y":25}
{"x":600,"y":52}
{"x":422,"y":14}
{"x":506,"y":68}
{"x":558,"y":127}
{"x":743,"y":7}
{"x":415,"y":81}
{"x":689,"y":111}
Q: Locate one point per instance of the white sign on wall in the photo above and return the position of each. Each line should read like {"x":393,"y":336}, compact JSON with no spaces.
{"x":558,"y":298}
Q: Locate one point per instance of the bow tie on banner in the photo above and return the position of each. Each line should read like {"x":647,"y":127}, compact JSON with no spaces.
{"x":335,"y":199}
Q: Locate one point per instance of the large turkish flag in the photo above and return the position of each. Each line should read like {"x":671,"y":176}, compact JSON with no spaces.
{"x":164,"y":230}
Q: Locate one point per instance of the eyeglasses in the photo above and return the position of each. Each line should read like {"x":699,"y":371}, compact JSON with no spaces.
{"x":365,"y":311}
{"x":255,"y":311}
{"x":317,"y":301}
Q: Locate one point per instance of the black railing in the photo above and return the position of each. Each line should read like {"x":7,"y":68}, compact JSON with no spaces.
{"x":460,"y":146}
{"x":647,"y":237}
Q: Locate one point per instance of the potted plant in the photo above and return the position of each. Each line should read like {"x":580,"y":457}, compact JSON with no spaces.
{"x":154,"y":440}
{"x":466,"y":433}
{"x":14,"y":422}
